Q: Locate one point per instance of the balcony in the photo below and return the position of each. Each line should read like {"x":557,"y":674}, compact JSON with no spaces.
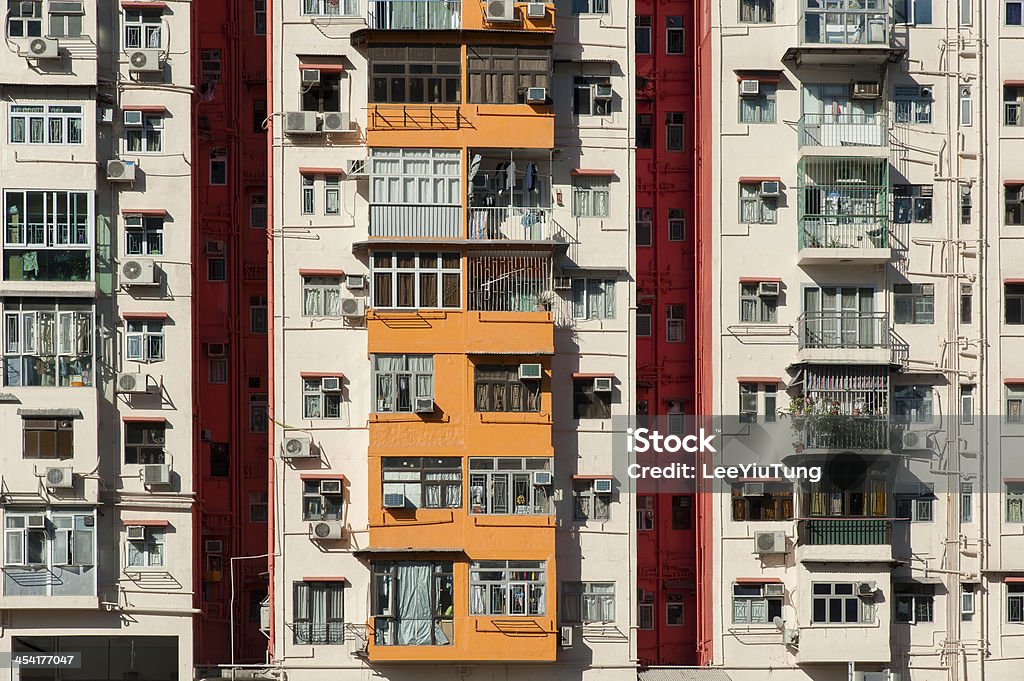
{"x":416,"y":221}
{"x":821,"y":132}
{"x":41,"y":264}
{"x":844,"y":337}
{"x":851,"y":539}
{"x":845,"y":31}
{"x":414,"y":15}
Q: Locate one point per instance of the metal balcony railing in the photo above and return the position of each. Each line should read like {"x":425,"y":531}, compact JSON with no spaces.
{"x":843,"y":130}
{"x":837,"y":231}
{"x":822,"y":430}
{"x":511,"y":223}
{"x":847,"y":22}
{"x":844,"y":531}
{"x":330,"y":633}
{"x":415,"y":117}
{"x":414,"y":15}
{"x":424,"y":221}
{"x":844,"y":330}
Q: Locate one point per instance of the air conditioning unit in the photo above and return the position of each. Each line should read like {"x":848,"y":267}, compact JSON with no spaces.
{"x":296,"y":446}
{"x":542,"y":478}
{"x":603,"y":384}
{"x":770,"y":188}
{"x":603,"y":486}
{"x":749,"y":88}
{"x":104,"y":114}
{"x":353,"y":307}
{"x":394,"y":501}
{"x":565,"y":636}
{"x":536,"y":95}
{"x":355,"y":282}
{"x":300,"y":123}
{"x":536,"y":10}
{"x":774,"y":590}
{"x":603,"y":91}
{"x":213,"y":546}
{"x":135,"y":532}
{"x":532,"y":372}
{"x":140,"y":272}
{"x":336,"y":121}
{"x":310,"y":77}
{"x":328,"y":530}
{"x":563,"y":284}
{"x":867,"y":589}
{"x":501,"y":10}
{"x":770,"y":542}
{"x":423,"y":405}
{"x":44,"y":48}
{"x":132,"y":383}
{"x":120,"y":171}
{"x":144,"y":61}
{"x":132,"y":118}
{"x":753,"y":489}
{"x":331,"y":487}
{"x":60,"y":478}
{"x":217,"y":349}
{"x":154,"y":474}
{"x":36,"y":521}
{"x":330,"y":384}
{"x":914,"y":439}
{"x":769,"y":289}
{"x":867,"y":90}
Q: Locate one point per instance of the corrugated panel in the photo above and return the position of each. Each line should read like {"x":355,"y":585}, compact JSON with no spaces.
{"x":683,"y":674}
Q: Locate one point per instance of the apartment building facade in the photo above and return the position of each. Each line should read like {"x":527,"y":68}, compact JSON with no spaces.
{"x":95,"y":429}
{"x":451,"y":329}
{"x":878,"y":334}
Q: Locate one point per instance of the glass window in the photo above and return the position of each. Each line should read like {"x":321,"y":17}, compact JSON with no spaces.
{"x":48,"y":438}
{"x":675,"y":35}
{"x":257,"y":314}
{"x":757,"y":309}
{"x":144,"y":340}
{"x":501,"y":74}
{"x":593,"y":298}
{"x":776,"y":503}
{"x":318,"y":613}
{"x":915,"y":603}
{"x":589,"y":6}
{"x":589,"y":96}
{"x":144,"y":442}
{"x":588,"y":503}
{"x":417,"y":74}
{"x":757,"y":11}
{"x":755,"y":604}
{"x":330,"y":8}
{"x":913,"y":105}
{"x":323,"y":95}
{"x":1015,"y":603}
{"x":839,"y":604}
{"x":682,"y":512}
{"x":645,"y":513}
{"x":24,"y":19}
{"x":319,"y":506}
{"x":401,"y":381}
{"x":423,"y":482}
{"x":59,"y":124}
{"x":507,"y":485}
{"x":507,"y":587}
{"x":590,"y":196}
{"x":676,"y":225}
{"x":912,"y":203}
{"x":498,"y":388}
{"x":589,"y":403}
{"x":147,"y":137}
{"x":413,"y":603}
{"x":416,"y":280}
{"x":47,"y":343}
{"x":147,"y":552}
{"x":759,"y":108}
{"x":144,"y":235}
{"x":143,"y":30}
{"x":1014,"y":13}
{"x":321,"y":296}
{"x":756,"y":208}
{"x":642,"y":30}
{"x":588,"y":602}
{"x":914,"y":303}
{"x":318,"y":403}
{"x":675,"y":131}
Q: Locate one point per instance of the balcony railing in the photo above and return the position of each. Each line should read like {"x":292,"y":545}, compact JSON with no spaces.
{"x":844,"y":330}
{"x":430,"y":221}
{"x":514,"y":282}
{"x":415,"y":117}
{"x":329,"y":633}
{"x":836,"y":231}
{"x":512,"y":223}
{"x":824,"y":430}
{"x":847,"y":22}
{"x":414,"y":15}
{"x":845,"y":531}
{"x":843,"y":130}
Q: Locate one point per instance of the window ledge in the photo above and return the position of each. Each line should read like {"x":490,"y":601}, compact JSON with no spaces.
{"x":531,"y":417}
{"x":513,"y":520}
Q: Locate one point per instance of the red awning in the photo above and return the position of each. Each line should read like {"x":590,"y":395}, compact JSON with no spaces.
{"x":759,"y":379}
{"x":321,"y":171}
{"x":144,"y":315}
{"x":146,"y":523}
{"x":1013,"y":83}
{"x":326,"y":68}
{"x":747,"y":180}
{"x":762,"y":76}
{"x":321,"y":476}
{"x":145,"y":108}
{"x":322,"y":374}
{"x":758,"y":580}
{"x":1013,"y":183}
{"x":1014,"y":580}
{"x":335,"y":578}
{"x":321,"y":273}
{"x":591,"y":477}
{"x":152,"y":212}
{"x":143,"y":419}
{"x":758,"y":280}
{"x":1013,"y":280}
{"x":143,"y":4}
{"x":593,"y":172}
{"x":1013,"y":381}
{"x":593,"y":375}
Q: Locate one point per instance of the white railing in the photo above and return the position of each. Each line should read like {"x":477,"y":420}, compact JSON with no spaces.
{"x":431,"y":221}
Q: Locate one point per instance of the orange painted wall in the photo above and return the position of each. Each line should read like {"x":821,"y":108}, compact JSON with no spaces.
{"x":473,"y":19}
{"x":461,"y":125}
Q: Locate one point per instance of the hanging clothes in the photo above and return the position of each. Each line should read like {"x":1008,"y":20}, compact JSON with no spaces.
{"x":529,"y":180}
{"x":511,"y":175}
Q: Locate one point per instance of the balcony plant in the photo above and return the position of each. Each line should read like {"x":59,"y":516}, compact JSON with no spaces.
{"x":822,"y":420}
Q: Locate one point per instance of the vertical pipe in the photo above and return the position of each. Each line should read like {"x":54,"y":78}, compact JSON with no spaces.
{"x":271,"y":412}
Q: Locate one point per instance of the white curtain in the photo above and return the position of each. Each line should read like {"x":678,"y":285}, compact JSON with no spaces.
{"x":415,"y":620}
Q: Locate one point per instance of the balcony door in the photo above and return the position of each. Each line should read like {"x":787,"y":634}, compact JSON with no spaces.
{"x":839,"y":317}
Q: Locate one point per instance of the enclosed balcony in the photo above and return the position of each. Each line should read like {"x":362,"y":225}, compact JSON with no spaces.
{"x":843,"y":211}
{"x":829,"y":132}
{"x":845,"y":31}
{"x":509,"y":282}
{"x":48,"y":237}
{"x":416,"y":193}
{"x":842,"y":408}
{"x":414,"y":15}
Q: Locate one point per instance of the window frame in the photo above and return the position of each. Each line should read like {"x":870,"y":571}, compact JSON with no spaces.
{"x":147,"y":138}
{"x":318,"y":507}
{"x":144,"y":442}
{"x":756,"y":12}
{"x":426,"y":476}
{"x":152,"y":550}
{"x":584,"y":508}
{"x":322,"y":286}
{"x":144,"y":340}
{"x":53,"y":332}
{"x":865,"y":610}
{"x":333,"y":624}
{"x":744,"y":599}
{"x":766,"y":307}
{"x":46,"y":116}
{"x":577,"y":595}
{"x":488,"y":473}
{"x":62,"y":440}
{"x":910,"y":303}
{"x":139,"y":30}
{"x":31,"y":26}
{"x":413,"y":385}
{"x":322,"y":8}
{"x":765,"y":208}
{"x":589,"y":404}
{"x":591,"y":196}
{"x":144,"y":235}
{"x":418,"y":77}
{"x":328,"y":404}
{"x":519,"y":579}
{"x":529,"y":390}
{"x":675,"y":33}
{"x":385,"y":266}
{"x":593,"y":298}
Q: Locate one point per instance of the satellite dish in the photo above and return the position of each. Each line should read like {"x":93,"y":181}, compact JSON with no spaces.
{"x":779,"y":623}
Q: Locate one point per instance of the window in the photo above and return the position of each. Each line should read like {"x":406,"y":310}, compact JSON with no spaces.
{"x":308,"y":201}
{"x":756,"y":309}
{"x":507,"y":587}
{"x":317,"y":506}
{"x":46,"y":124}
{"x":506,"y":486}
{"x":417,"y":74}
{"x":144,"y":340}
{"x":756,"y":603}
{"x":65,"y":21}
{"x":914,"y":303}
{"x":675,"y":35}
{"x":318,"y":403}
{"x":257,"y":314}
{"x":966,"y":602}
{"x":915,"y":603}
{"x":24,"y":19}
{"x":755,"y":208}
{"x":413,"y":603}
{"x":674,"y":130}
{"x":645,"y":513}
{"x":48,"y":236}
{"x":776,"y":503}
{"x":67,"y":540}
{"x":321,"y":296}
{"x":675,"y":317}
{"x":416,"y":280}
{"x":965,"y":205}
{"x":1014,"y":13}
{"x":217,"y":370}
{"x":912,"y":105}
{"x":258,"y":412}
{"x":967,"y":404}
{"x":220,"y":460}
{"x":332,"y":195}
{"x":259,"y":26}
{"x":912,"y":203}
{"x":644,"y":131}
{"x":589,"y":6}
{"x":676,"y":225}
{"x":966,"y":304}
{"x":589,"y":504}
{"x":757,"y":11}
{"x":912,"y":404}
{"x":216,"y":269}
{"x":590,"y":196}
{"x":915,"y":508}
{"x":966,"y":502}
{"x":753,"y":393}
{"x":1014,"y":502}
{"x":218,"y":166}
{"x":588,"y":602}
{"x":643,"y":320}
{"x":759,"y":108}
{"x":642,"y":31}
{"x":144,"y":235}
{"x":839,"y":604}
{"x":258,"y":507}
{"x":682,"y":512}
{"x":330,"y":8}
{"x":324,"y":95}
{"x":22,"y":545}
{"x":424,"y":177}
{"x":147,"y":552}
{"x":645,"y":609}
{"x":588,"y":99}
{"x":966,"y":107}
{"x":47,"y":343}
{"x":674,"y":610}
{"x":401,"y":380}
{"x":258,"y":211}
{"x":144,"y":442}
{"x":319,"y":613}
{"x":1014,"y":201}
{"x":147,"y":137}
{"x":48,"y":438}
{"x":589,"y":403}
{"x":424,"y":482}
{"x":143,"y":30}
{"x":259,"y":115}
{"x":1014,"y":403}
{"x":499,"y":388}
{"x":644,"y":226}
{"x":913,"y":12}
{"x":1014,"y":303}
{"x":501,"y":74}
{"x":593,"y":298}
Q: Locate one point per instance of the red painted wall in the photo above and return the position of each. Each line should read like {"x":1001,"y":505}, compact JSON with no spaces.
{"x":230,"y":459}
{"x":666,"y":557}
